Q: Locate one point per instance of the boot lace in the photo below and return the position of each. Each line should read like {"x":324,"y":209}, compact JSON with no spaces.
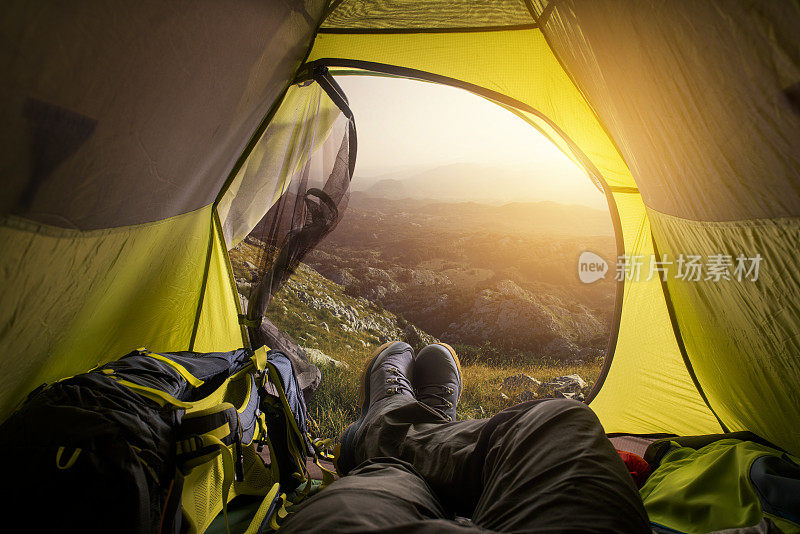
{"x":398,"y":382}
{"x":434,"y":395}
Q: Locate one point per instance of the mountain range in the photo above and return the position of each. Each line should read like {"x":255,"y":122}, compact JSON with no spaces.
{"x":472,"y":182}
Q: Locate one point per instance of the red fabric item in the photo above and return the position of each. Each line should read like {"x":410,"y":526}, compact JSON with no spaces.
{"x":637,"y":467}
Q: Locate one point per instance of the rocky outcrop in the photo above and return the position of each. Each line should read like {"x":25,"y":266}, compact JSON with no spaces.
{"x":524,"y":388}
{"x":358,"y":315}
{"x":514,"y":317}
{"x":562,"y":349}
{"x":319,"y":358}
{"x":414,"y":336}
{"x":343,"y":277}
{"x":564,"y":386}
{"x":351,"y":317}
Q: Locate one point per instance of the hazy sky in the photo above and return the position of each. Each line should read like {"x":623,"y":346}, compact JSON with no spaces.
{"x":404,"y":124}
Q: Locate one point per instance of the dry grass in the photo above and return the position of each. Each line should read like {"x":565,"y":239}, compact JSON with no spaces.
{"x":335,"y":404}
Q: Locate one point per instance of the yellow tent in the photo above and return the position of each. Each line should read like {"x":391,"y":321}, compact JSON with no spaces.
{"x":140,"y":142}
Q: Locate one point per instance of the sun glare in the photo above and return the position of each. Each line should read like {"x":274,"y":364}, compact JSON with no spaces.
{"x":407,"y":127}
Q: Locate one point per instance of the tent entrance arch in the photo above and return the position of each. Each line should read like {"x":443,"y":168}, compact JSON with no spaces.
{"x":344,"y":67}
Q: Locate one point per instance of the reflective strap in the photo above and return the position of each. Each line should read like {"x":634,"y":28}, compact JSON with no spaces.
{"x":327,"y":474}
{"x":220,"y":432}
{"x":281,"y":514}
{"x":266,"y":510}
{"x":186,"y":375}
{"x":259,"y":358}
{"x":70,"y":462}
{"x":155,"y":395}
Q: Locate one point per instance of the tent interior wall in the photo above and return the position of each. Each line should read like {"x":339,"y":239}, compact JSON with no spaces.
{"x":136,"y":140}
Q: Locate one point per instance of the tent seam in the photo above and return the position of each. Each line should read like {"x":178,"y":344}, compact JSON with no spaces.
{"x":23,"y":224}
{"x":676,"y":330}
{"x":545,"y":16}
{"x":262,"y":126}
{"x":532,"y":11}
{"x":732,"y":223}
{"x":229,"y":271}
{"x":552,"y":6}
{"x":204,"y":284}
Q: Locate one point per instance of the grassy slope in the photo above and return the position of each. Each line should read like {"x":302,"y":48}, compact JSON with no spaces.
{"x":335,"y":404}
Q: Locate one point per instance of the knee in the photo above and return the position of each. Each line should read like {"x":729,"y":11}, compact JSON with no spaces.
{"x":562,"y":411}
{"x":383,"y":466}
{"x":566,"y":405}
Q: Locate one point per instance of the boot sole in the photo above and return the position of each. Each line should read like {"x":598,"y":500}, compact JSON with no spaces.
{"x":349,"y":434}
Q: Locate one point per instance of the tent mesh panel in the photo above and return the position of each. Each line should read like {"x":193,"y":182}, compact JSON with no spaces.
{"x":428,"y":14}
{"x":309,"y":209}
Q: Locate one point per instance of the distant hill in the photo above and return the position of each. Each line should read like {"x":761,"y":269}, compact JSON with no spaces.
{"x":391,"y":188}
{"x":477,"y":183}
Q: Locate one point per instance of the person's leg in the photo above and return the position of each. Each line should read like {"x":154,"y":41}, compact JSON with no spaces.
{"x":560,"y":444}
{"x":418,"y":431}
{"x":543,"y":465}
{"x":443,"y":453}
{"x":549,"y":467}
{"x":380,"y":495}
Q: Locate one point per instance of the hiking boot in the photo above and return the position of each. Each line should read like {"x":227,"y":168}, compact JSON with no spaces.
{"x":437,"y":379}
{"x":387,"y":373}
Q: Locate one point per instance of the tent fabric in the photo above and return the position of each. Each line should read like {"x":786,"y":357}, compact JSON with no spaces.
{"x":647,"y":389}
{"x":137,"y":111}
{"x":301,"y":125}
{"x":124,"y":129}
{"x":696,"y":106}
{"x":710,"y":134}
{"x":741,"y":336}
{"x":73,"y":300}
{"x":217,"y":327}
